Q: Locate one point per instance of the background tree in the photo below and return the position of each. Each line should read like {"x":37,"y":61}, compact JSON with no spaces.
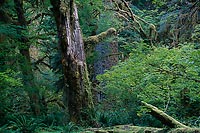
{"x":26,"y":67}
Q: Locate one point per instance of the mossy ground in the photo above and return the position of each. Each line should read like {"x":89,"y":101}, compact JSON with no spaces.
{"x":137,"y":129}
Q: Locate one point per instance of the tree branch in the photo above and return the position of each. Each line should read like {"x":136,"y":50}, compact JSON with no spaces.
{"x":128,"y":14}
{"x":92,"y":40}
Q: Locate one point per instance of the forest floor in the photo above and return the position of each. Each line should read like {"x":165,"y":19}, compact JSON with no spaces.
{"x":137,"y":129}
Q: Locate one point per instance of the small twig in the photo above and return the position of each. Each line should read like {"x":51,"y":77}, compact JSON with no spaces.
{"x":166,"y":107}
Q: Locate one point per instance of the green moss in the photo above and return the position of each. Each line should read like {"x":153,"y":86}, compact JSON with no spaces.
{"x":91,"y":41}
{"x":137,"y":129}
{"x":87,"y":86}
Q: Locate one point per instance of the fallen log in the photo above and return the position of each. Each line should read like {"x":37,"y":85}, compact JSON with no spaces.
{"x":163,"y":117}
{"x":138,"y":129}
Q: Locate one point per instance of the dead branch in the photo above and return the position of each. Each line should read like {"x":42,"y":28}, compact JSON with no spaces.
{"x":163,"y":117}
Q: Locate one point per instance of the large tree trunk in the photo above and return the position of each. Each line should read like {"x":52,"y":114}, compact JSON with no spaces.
{"x":78,"y":88}
{"x":28,"y":76}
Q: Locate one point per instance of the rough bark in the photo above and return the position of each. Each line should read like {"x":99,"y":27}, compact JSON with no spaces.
{"x":78,"y":88}
{"x":26,"y":67}
{"x":163,"y":117}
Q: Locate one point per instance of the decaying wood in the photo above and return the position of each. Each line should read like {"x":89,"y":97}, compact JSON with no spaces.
{"x":138,"y":129}
{"x":163,"y":117}
{"x":175,"y":126}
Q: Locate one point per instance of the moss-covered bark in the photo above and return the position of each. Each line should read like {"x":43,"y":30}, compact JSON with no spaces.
{"x":163,"y":117}
{"x":77,"y":90}
{"x":98,"y":38}
{"x":174,"y":125}
{"x":137,"y":129}
{"x":91,"y":41}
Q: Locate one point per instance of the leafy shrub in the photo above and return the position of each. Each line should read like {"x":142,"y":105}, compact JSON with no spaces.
{"x":166,"y":78}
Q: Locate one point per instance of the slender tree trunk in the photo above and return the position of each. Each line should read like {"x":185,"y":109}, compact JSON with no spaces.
{"x":78,"y":88}
{"x":26,"y":67}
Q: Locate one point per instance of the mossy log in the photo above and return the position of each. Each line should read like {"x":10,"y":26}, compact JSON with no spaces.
{"x":163,"y":117}
{"x":138,"y":129}
{"x":160,"y":115}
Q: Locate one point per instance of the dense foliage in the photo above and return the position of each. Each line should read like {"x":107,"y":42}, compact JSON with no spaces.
{"x":167,"y":78}
{"x":156,"y":45}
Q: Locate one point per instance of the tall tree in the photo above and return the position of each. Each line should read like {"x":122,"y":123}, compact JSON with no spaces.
{"x":26,"y":67}
{"x":78,"y":88}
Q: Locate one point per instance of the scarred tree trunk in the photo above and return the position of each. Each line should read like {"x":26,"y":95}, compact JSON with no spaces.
{"x":78,"y":88}
{"x":26,"y":68}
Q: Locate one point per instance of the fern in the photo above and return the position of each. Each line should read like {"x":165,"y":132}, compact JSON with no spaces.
{"x":25,"y":125}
